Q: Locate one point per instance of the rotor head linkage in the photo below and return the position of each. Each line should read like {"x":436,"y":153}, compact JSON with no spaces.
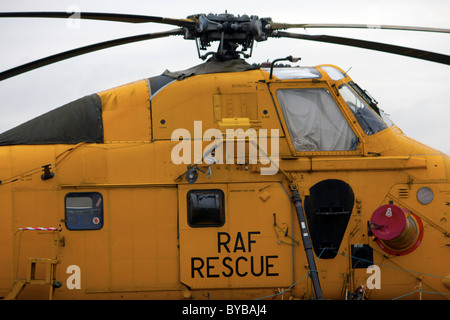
{"x":232,"y":32}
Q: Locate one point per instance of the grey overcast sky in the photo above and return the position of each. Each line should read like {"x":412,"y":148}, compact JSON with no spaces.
{"x":414,"y":93}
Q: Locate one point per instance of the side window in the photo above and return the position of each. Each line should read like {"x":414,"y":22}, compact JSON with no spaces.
{"x":205,"y":208}
{"x":366,"y":116}
{"x":84,"y":211}
{"x":314,"y":120}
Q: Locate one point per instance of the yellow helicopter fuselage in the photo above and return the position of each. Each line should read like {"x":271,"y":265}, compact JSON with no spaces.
{"x":125,"y":223}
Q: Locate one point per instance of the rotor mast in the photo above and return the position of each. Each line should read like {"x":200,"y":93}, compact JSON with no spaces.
{"x":235,"y":34}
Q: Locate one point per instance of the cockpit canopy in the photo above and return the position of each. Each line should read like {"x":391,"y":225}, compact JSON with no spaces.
{"x":315,"y":121}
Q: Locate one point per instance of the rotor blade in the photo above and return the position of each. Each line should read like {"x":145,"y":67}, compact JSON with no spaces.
{"x":101,"y":16}
{"x":278,"y":26}
{"x":377,"y":46}
{"x":83,"y":50}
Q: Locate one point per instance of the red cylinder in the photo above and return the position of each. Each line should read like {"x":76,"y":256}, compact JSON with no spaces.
{"x":397,"y":230}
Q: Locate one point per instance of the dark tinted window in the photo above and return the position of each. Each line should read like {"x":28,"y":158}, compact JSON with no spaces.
{"x":84,"y":211}
{"x":206,"y":208}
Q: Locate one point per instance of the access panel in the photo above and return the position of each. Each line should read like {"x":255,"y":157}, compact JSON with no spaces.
{"x":235,"y":235}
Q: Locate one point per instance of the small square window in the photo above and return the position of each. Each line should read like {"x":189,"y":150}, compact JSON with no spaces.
{"x":206,"y":208}
{"x":84,"y":211}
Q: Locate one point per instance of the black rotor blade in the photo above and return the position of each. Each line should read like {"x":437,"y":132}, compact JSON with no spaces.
{"x":279,"y":26}
{"x":83,"y":50}
{"x":377,"y":46}
{"x":117,"y":17}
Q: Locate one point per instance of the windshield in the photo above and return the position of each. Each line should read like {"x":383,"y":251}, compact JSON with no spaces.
{"x":366,"y":116}
{"x":371,"y":102}
{"x":386,"y":118}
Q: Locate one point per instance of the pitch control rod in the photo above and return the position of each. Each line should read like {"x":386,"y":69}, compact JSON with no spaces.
{"x":297,"y":200}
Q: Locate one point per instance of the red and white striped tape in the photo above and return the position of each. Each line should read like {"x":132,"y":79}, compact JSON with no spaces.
{"x":40,"y":229}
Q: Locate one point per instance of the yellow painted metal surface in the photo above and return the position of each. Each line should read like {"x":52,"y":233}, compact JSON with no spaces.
{"x":126,"y":113}
{"x":146,"y":247}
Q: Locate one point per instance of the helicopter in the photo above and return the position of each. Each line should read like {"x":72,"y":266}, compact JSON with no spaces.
{"x":227,"y":180}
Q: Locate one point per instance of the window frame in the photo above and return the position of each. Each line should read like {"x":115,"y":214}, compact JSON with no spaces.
{"x":293,"y":85}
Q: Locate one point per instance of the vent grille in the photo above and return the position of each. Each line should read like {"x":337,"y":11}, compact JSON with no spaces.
{"x":403,"y":193}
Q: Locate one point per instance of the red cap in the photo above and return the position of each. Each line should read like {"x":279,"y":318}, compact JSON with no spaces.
{"x":388,"y":222}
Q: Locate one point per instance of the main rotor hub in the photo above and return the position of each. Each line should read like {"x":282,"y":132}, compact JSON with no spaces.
{"x":231,"y":31}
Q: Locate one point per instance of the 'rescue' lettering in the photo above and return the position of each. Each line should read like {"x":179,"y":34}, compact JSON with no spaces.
{"x":241,"y":266}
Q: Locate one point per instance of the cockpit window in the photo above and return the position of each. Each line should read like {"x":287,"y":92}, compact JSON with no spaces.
{"x":371,"y":102}
{"x":386,"y":118}
{"x":334,"y":73}
{"x":295,"y":73}
{"x":366,"y":116}
{"x":314,"y":120}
